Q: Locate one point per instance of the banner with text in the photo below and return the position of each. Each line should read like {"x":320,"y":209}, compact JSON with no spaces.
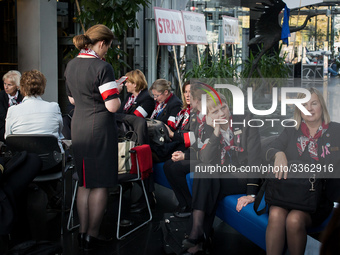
{"x":296,"y":4}
{"x":230,"y":30}
{"x":169,"y":26}
{"x":195,"y":30}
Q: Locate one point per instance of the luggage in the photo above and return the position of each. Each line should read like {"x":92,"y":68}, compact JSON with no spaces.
{"x":174,"y":231}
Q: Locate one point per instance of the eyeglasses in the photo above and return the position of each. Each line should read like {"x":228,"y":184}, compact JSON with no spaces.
{"x":156,"y":96}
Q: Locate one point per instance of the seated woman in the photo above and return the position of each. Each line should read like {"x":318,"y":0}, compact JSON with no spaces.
{"x":138,"y":100}
{"x":229,"y":145}
{"x":303,"y":143}
{"x":167,"y":105}
{"x":8,"y":97}
{"x":137,"y":105}
{"x":13,"y":182}
{"x":34,"y":115}
{"x":187,"y":123}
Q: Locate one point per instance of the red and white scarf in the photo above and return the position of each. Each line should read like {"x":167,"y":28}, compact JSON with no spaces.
{"x":89,"y":52}
{"x":159,"y":108}
{"x":306,"y":140}
{"x":182,"y":115}
{"x":12,"y":100}
{"x":130,"y":101}
{"x":227,"y":141}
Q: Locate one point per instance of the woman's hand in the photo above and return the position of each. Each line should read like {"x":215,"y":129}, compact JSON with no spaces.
{"x":280,"y":165}
{"x":171,"y":133}
{"x":120,"y":87}
{"x":177,"y":156}
{"x":243,"y":201}
{"x":211,"y":123}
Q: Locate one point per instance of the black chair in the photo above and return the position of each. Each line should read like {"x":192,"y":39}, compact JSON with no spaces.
{"x":125,"y":178}
{"x":122,"y":178}
{"x":47,"y":148}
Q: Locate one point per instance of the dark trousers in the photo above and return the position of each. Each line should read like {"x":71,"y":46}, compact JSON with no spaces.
{"x":14,"y":186}
{"x":206,"y":193}
{"x":176,"y":173}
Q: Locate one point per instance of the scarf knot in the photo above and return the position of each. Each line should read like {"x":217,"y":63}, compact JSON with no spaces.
{"x":310,"y":142}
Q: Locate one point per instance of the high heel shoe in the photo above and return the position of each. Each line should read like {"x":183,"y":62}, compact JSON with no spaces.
{"x":91,"y":242}
{"x":202,"y":244}
{"x":81,"y":238}
{"x":189,"y":243}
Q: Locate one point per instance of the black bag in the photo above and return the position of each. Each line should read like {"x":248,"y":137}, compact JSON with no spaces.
{"x":158,"y":133}
{"x":36,"y":248}
{"x":174,"y":231}
{"x":292,"y":193}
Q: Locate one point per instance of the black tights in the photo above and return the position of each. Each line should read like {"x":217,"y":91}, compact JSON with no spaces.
{"x":91,"y":205}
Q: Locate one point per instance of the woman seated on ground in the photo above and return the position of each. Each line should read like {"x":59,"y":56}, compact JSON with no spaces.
{"x":34,"y":115}
{"x":188,"y":122}
{"x":167,"y":105}
{"x":8,"y":97}
{"x":307,"y":143}
{"x":138,"y":100}
{"x":231,"y":146}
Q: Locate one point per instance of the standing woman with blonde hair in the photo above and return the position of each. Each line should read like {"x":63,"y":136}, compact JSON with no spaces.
{"x":9,"y":96}
{"x":91,"y":87}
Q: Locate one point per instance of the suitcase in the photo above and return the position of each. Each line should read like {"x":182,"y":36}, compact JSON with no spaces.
{"x":174,"y":231}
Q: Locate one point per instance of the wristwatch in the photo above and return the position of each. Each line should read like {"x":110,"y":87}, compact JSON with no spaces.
{"x":253,"y":195}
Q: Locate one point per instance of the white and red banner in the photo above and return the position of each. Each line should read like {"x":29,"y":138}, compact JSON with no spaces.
{"x":300,"y":3}
{"x":230,"y":30}
{"x":169,"y":26}
{"x":195,"y":30}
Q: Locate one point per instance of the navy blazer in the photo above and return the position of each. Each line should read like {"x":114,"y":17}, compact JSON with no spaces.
{"x":142,"y":107}
{"x":3,"y":111}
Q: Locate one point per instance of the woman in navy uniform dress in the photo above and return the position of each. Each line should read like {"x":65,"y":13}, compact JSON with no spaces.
{"x":91,"y":87}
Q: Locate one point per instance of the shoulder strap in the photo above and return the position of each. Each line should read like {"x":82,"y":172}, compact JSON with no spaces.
{"x":258,"y":199}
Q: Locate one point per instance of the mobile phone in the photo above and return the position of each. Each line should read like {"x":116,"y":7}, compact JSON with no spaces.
{"x":121,"y":80}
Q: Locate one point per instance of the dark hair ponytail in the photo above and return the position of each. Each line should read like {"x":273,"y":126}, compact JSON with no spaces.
{"x":81,"y":41}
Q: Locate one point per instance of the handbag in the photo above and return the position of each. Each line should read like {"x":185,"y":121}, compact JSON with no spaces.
{"x":299,"y":194}
{"x":302,"y":194}
{"x":124,"y":146}
{"x":158,"y":133}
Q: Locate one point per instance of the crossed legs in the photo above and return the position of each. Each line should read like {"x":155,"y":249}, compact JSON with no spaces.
{"x":283,"y":223}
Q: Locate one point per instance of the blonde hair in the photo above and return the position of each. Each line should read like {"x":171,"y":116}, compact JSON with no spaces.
{"x":325,"y":115}
{"x":161,"y":85}
{"x":13,"y":76}
{"x":137,"y":77}
{"x":93,"y":35}
{"x":33,"y":83}
{"x":212,"y":101}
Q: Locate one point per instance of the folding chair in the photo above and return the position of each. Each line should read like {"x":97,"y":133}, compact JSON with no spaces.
{"x":70,"y":222}
{"x":136,"y":174}
{"x":47,"y":148}
{"x":141,"y":159}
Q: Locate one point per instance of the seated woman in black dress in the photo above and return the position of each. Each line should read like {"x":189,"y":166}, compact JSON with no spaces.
{"x":188,"y":121}
{"x":229,"y":145}
{"x":306,"y":142}
{"x":167,"y":105}
{"x":8,"y":97}
{"x":138,"y":100}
